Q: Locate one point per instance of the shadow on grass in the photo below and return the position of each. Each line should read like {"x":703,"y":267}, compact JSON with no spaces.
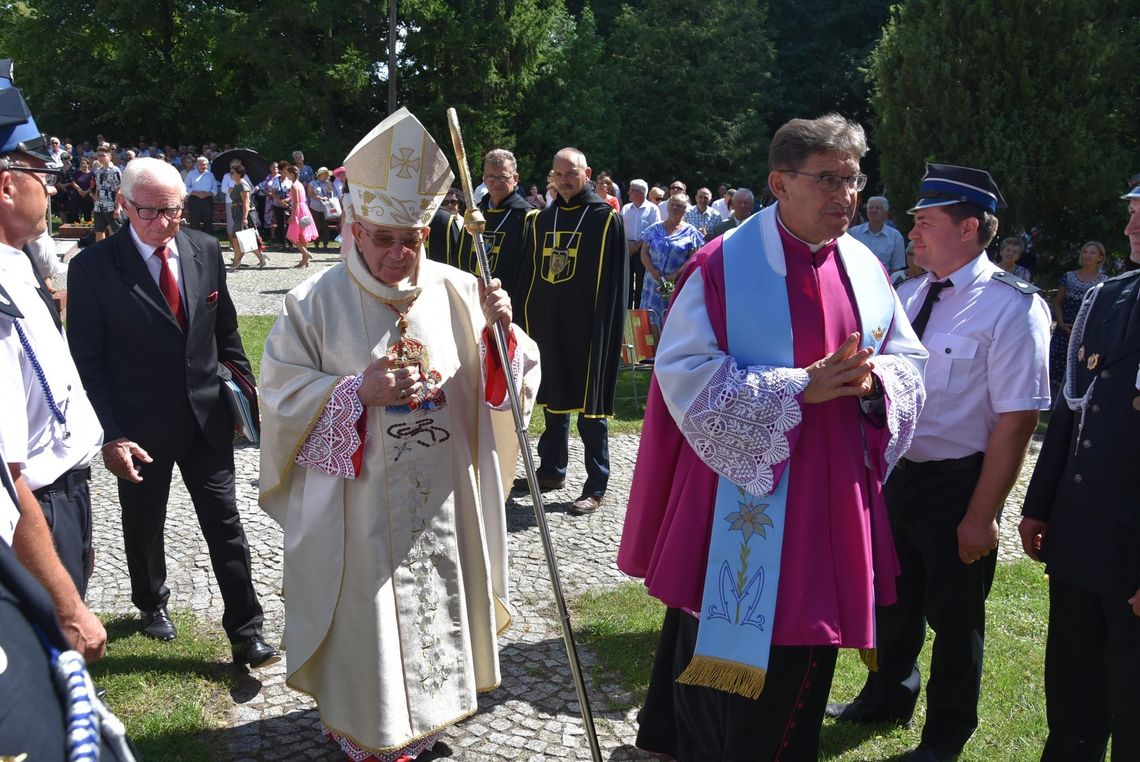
{"x":168,"y":693}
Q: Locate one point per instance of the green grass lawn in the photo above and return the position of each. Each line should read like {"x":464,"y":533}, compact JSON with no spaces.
{"x":621,"y":626}
{"x":167,"y":694}
{"x":628,"y":412}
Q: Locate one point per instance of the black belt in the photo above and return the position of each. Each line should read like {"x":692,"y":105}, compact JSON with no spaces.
{"x":968,"y":463}
{"x":68,"y":481}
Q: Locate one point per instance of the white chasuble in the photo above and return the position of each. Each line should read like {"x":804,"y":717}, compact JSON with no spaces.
{"x":396,"y":580}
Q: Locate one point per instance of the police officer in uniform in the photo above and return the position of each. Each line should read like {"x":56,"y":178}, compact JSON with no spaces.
{"x":37,"y":720}
{"x":1082,"y":519}
{"x":987,"y":377}
{"x":52,"y":438}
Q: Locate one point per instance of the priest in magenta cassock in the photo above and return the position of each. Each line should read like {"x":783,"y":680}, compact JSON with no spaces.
{"x":788,"y":381}
{"x":386,"y":435}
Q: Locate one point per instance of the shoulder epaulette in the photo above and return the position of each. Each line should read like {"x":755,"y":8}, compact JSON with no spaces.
{"x":7,"y":306}
{"x":1013,"y":281}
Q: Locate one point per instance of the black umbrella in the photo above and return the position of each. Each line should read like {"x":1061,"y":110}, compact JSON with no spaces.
{"x":256,"y":165}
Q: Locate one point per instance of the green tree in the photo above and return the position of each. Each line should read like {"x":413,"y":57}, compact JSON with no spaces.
{"x":1039,"y":93}
{"x":695,"y":87}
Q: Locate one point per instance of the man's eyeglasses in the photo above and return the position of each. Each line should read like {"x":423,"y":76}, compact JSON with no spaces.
{"x":451,"y":202}
{"x":677,"y":187}
{"x":830,"y":182}
{"x":386,"y":241}
{"x":42,"y":173}
{"x":150,"y":213}
{"x":497,"y":178}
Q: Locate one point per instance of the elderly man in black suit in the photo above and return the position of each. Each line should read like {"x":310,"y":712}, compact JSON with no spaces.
{"x":150,"y":320}
{"x":1082,"y":518}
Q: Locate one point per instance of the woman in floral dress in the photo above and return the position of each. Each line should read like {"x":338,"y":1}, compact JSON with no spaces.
{"x":1074,"y":285}
{"x":666,"y":246}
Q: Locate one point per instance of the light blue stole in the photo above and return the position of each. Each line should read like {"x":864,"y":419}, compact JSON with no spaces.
{"x":743,"y":573}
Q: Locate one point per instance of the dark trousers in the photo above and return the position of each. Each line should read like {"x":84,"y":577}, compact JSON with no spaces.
{"x":322,"y":228}
{"x":200,"y":213}
{"x":696,"y":724}
{"x":66,"y":504}
{"x":554,"y":450}
{"x":1092,"y":674}
{"x":279,"y":215}
{"x":209,"y":477}
{"x":926,"y":502}
{"x":636,"y":276}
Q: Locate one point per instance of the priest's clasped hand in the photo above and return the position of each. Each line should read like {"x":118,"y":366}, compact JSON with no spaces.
{"x":845,"y":373}
{"x":496,"y":303}
{"x":387,"y":383}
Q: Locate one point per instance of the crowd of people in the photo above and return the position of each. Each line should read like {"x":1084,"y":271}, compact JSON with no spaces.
{"x":825,"y":456}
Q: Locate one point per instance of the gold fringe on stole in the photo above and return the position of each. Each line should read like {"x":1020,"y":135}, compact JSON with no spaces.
{"x":870,"y":658}
{"x":724,"y":675}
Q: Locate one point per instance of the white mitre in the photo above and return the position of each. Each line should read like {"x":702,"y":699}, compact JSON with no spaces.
{"x":397,"y":175}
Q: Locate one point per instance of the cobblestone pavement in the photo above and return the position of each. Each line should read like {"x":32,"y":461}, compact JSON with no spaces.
{"x":532,"y":716}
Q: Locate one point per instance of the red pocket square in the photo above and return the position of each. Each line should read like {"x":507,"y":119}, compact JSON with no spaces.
{"x":213,"y":297}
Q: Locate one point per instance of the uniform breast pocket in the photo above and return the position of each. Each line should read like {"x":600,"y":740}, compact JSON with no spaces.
{"x":951,"y":358}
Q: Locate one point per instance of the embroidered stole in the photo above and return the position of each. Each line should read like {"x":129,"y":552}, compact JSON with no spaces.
{"x":738,"y":605}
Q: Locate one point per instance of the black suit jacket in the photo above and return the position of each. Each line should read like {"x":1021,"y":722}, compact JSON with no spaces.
{"x":147,"y":380}
{"x":1086,"y":483}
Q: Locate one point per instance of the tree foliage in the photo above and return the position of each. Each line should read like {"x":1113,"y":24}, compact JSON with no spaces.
{"x":1040,"y":93}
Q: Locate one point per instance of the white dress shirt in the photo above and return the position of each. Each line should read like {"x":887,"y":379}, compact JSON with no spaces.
{"x":989,"y":354}
{"x":30,"y":434}
{"x":154,"y":263}
{"x":638,"y":219}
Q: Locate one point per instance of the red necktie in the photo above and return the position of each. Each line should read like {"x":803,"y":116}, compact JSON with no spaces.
{"x":168,"y":287}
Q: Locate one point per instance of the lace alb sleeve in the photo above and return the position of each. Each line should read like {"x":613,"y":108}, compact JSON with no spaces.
{"x":905,"y":394}
{"x":334,"y":445}
{"x":739,"y":424}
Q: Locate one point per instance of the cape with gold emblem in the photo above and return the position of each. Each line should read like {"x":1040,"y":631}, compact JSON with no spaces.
{"x":573,"y":289}
{"x":395,"y":568}
{"x":506,"y":234}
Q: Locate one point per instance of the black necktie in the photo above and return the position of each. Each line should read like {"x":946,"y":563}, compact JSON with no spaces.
{"x":923,"y":316}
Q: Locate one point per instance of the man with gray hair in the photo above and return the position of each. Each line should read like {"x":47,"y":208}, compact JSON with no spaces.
{"x":638,"y":215}
{"x":788,"y":383}
{"x":508,"y":216}
{"x":743,"y":205}
{"x":153,"y":330}
{"x":884,"y":241}
{"x":702,"y":216}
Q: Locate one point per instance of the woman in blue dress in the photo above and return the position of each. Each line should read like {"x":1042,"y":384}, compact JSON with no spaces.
{"x":666,"y":246}
{"x":1074,"y":285}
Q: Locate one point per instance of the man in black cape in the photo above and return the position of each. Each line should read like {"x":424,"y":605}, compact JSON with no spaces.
{"x":508,"y":217}
{"x":573,"y":290}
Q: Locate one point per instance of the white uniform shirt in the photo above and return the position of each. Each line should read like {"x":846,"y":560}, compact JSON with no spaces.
{"x":29,"y":433}
{"x":989,"y":354}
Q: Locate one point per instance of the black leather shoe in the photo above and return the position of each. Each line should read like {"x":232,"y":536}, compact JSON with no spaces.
{"x":861,"y":712}
{"x":255,"y":652}
{"x":545,"y":484}
{"x":156,"y":624}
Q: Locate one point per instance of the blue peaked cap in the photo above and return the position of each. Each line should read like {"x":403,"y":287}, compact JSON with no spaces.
{"x":1134,"y":187}
{"x":946,"y":184}
{"x":18,"y":130}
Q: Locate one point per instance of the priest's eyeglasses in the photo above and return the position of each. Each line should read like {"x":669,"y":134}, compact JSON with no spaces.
{"x":386,"y":242}
{"x":829,"y":182}
{"x":149,"y":212}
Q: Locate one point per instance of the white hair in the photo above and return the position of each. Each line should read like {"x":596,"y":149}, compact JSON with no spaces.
{"x":640,"y":185}
{"x":148,"y":171}
{"x":881,"y":199}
